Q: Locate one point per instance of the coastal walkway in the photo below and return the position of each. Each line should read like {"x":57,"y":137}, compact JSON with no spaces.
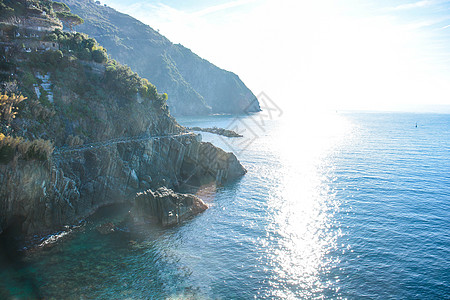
{"x":122,"y":140}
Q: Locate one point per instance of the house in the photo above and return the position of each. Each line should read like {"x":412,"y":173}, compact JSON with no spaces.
{"x":41,"y":46}
{"x":45,"y":46}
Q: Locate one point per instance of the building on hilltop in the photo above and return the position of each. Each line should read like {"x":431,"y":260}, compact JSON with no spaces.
{"x":46,"y":46}
{"x":29,"y":34}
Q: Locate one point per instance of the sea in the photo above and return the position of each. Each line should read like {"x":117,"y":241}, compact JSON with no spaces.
{"x":335,"y":205}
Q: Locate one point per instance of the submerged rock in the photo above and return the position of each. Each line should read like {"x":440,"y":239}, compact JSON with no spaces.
{"x":106,"y":228}
{"x":166,"y":206}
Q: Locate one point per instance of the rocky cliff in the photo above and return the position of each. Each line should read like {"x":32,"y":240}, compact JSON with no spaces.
{"x":194,"y":85}
{"x":50,"y":195}
{"x":104,"y":135}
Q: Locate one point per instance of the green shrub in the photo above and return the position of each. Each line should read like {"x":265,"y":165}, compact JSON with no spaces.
{"x":38,"y":149}
{"x":85,"y":54}
{"x":49,"y":60}
{"x":99,"y":56}
{"x":28,"y":79}
{"x":127,"y":83}
{"x":161,"y":101}
{"x":39,"y":112}
{"x":51,"y":37}
{"x":11,"y":147}
{"x":43,"y":99}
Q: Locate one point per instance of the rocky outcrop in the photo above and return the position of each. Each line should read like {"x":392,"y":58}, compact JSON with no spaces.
{"x":204,"y":163}
{"x":218,"y":131}
{"x":194,"y":85}
{"x":166,"y":207}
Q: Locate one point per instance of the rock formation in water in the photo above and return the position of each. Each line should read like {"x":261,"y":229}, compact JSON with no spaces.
{"x":218,"y":131}
{"x":166,"y":207}
{"x":194,"y":85}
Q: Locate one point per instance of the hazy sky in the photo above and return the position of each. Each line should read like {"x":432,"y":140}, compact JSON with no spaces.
{"x":347,"y":54}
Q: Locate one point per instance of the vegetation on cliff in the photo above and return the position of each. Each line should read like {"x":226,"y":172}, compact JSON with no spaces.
{"x":80,"y":95}
{"x":194,"y":85}
{"x":13,"y":10}
{"x":18,"y":147}
{"x":72,"y":91}
{"x":8,"y":108}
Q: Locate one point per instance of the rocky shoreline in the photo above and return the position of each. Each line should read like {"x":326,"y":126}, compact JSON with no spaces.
{"x":49,"y":196}
{"x":162,"y":207}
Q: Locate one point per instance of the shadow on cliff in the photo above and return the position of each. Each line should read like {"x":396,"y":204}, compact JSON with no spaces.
{"x":15,"y":273}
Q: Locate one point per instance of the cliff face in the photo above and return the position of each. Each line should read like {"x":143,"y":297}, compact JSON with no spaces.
{"x":194,"y":85}
{"x":49,"y":195}
{"x":39,"y":194}
{"x":135,"y":148}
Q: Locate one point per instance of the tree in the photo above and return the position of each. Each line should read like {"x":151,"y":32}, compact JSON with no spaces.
{"x":89,"y":43}
{"x":69,"y":19}
{"x":52,"y":37}
{"x":60,"y":7}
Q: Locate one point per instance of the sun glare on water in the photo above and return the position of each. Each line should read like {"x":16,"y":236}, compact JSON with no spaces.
{"x":301,"y":231}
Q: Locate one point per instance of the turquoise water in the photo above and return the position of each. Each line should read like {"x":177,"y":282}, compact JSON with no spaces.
{"x":350,"y":205}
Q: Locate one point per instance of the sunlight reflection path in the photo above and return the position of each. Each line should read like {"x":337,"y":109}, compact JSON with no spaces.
{"x":303,"y":229}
